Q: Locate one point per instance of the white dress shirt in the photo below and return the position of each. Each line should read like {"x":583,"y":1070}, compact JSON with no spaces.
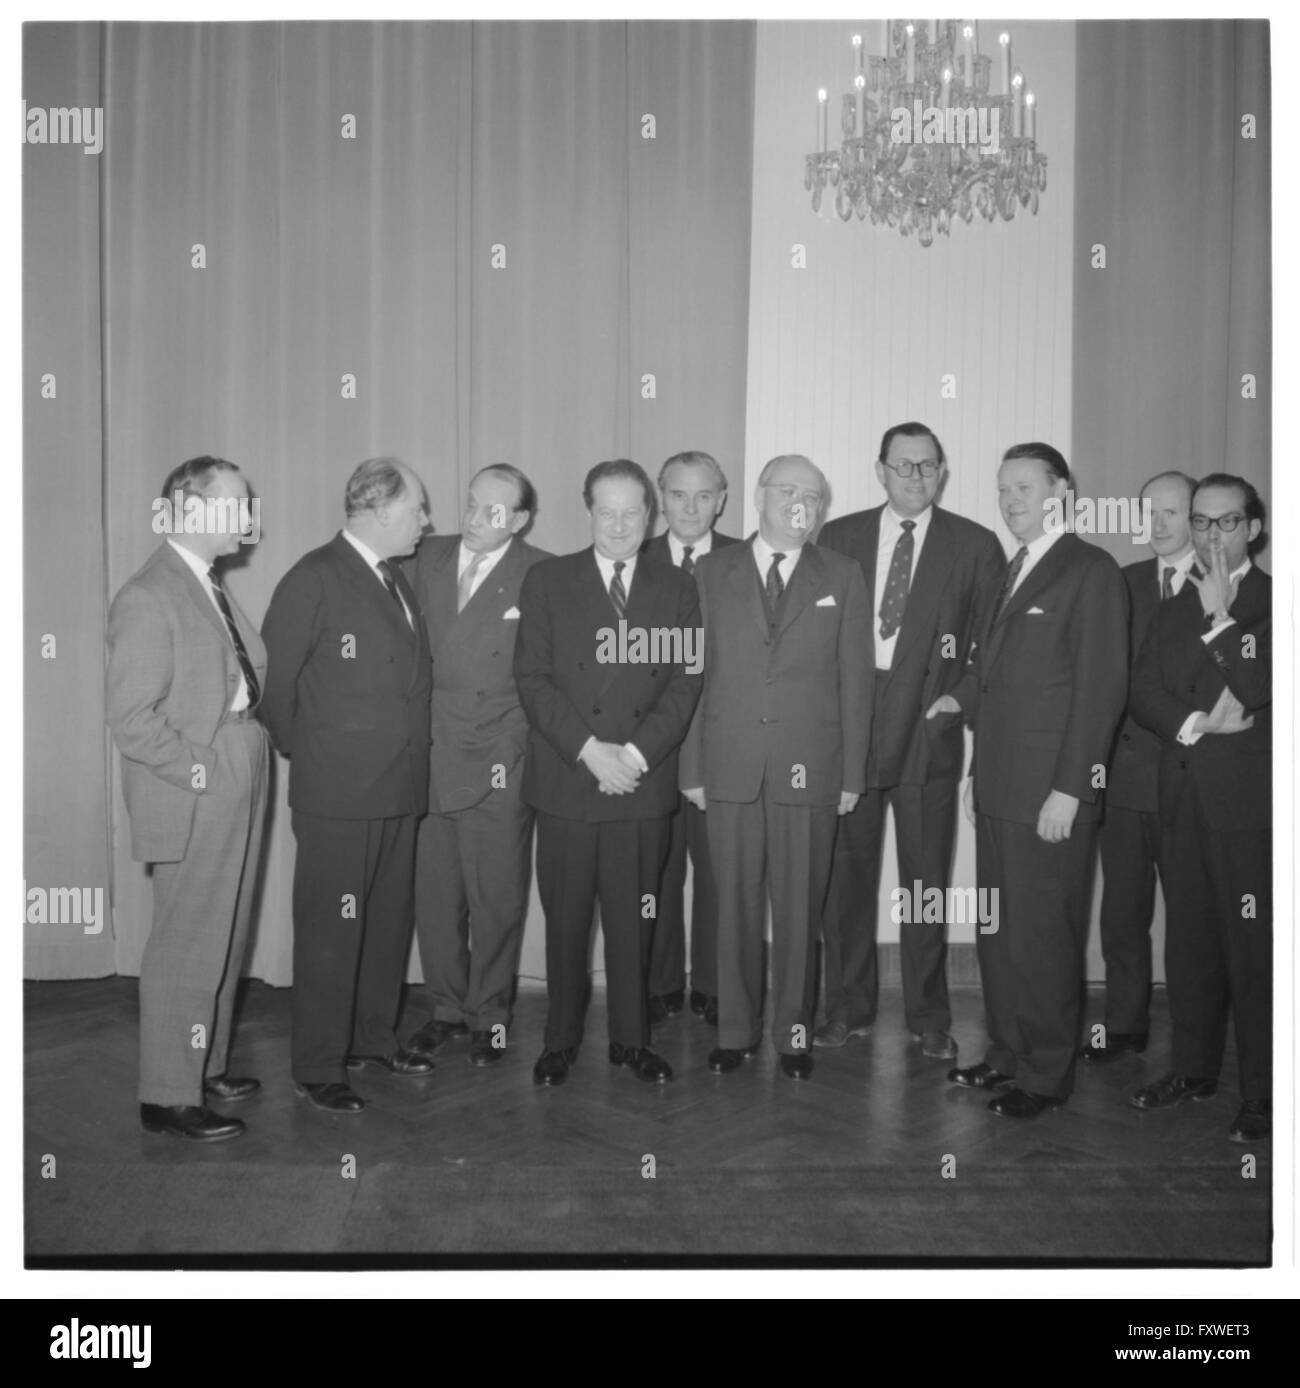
{"x":490,"y":561}
{"x":200,"y":570}
{"x":701,"y":547}
{"x":763,"y":553}
{"x":891,"y":531}
{"x":1185,"y":734}
{"x":1181,"y":568}
{"x":373,"y":560}
{"x":1037,"y":549}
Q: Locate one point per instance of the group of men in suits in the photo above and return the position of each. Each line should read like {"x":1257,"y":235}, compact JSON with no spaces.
{"x":764,"y":704}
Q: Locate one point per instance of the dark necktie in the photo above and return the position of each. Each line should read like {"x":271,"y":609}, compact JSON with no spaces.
{"x":897,"y":582}
{"x":1167,"y":583}
{"x":775,"y":583}
{"x":386,"y":574}
{"x":1009,"y":582}
{"x":688,"y":564}
{"x":617,"y":593}
{"x":246,"y":665}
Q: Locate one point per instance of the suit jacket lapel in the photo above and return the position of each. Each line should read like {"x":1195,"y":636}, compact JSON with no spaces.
{"x":373,"y":586}
{"x":803,"y":585}
{"x":1034,"y":583}
{"x":932,"y":569}
{"x":198,"y":596}
{"x":745,"y":578}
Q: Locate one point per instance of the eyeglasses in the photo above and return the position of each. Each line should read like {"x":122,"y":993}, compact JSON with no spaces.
{"x":1226,"y":523}
{"x":906,"y":469}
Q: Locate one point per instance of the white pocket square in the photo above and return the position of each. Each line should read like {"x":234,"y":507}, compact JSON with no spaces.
{"x":827,"y":601}
{"x":512,"y":615}
{"x":1035,"y":612}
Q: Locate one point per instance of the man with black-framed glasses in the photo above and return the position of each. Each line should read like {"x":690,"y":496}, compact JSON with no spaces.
{"x":1203,"y":684}
{"x":929,"y":573}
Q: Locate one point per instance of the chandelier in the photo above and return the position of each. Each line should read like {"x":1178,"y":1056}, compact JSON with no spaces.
{"x":923,"y":138}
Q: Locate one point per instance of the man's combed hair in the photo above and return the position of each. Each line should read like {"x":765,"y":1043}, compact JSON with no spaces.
{"x":1251,"y":505}
{"x":193,"y":476}
{"x":1172,"y":475}
{"x":693,"y":457}
{"x":619,"y":467}
{"x":913,"y":429}
{"x":373,"y":483}
{"x":1052,"y":458}
{"x":527,"y":498}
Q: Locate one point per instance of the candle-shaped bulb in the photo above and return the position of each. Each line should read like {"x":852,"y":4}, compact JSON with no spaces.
{"x":1019,"y":79}
{"x":1029,"y":114}
{"x":968,"y":32}
{"x":1004,"y":39}
{"x":821,"y":93}
{"x":859,"y":81}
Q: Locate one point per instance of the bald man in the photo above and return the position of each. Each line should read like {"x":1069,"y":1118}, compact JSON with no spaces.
{"x":777,"y":751}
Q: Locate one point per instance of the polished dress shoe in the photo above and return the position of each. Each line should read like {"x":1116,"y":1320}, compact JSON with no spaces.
{"x":481,"y":1050}
{"x":229,"y":1089}
{"x":401,"y":1062}
{"x":699,"y":1001}
{"x":711,"y":1012}
{"x":980,"y":1076}
{"x":334,"y":1097}
{"x":796,"y":1067}
{"x":553,"y":1066}
{"x":190,"y":1121}
{"x":938,"y":1045}
{"x":1020,"y":1103}
{"x":434,"y":1034}
{"x":643,"y":1063}
{"x":1253,"y":1123}
{"x":1171,"y":1090}
{"x":1117,"y":1043}
{"x":836,"y":1034}
{"x":724,"y":1059}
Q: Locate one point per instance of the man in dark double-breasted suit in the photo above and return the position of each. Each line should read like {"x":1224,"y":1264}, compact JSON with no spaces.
{"x":474,"y":857}
{"x":1203,"y":685}
{"x":347,"y":701}
{"x":608,"y":672}
{"x":1045,"y":688}
{"x":930,"y":575}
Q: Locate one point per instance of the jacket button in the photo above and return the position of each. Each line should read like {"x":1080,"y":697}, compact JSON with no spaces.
{"x":1124,"y":737}
{"x":762,"y":720}
{"x":391,"y":658}
{"x":1182,"y":766}
{"x":581,"y":666}
{"x":478,"y":693}
{"x":595,"y":710}
{"x":636,"y":713}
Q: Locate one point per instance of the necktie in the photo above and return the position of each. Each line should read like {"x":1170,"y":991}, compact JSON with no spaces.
{"x":246,"y":665}
{"x":775,"y":583}
{"x":617,"y":593}
{"x":1009,"y":582}
{"x":688,"y":564}
{"x":1167,"y":583}
{"x":386,"y":574}
{"x":465,"y":588}
{"x":897,"y":583}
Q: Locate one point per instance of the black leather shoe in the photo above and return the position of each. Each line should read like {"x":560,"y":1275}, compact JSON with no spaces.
{"x":643,"y":1063}
{"x":481,"y":1050}
{"x":1118,"y":1043}
{"x":1020,"y":1103}
{"x":724,"y":1059}
{"x":334,"y":1097}
{"x":553,"y":1066}
{"x":399,"y":1063}
{"x":796,"y":1067}
{"x":699,"y":1001}
{"x":229,"y":1089}
{"x":1253,"y":1123}
{"x":980,"y":1076}
{"x":434,"y":1034}
{"x":1171,"y":1090}
{"x":190,"y":1121}
{"x":711,"y":1011}
{"x":675,"y":1001}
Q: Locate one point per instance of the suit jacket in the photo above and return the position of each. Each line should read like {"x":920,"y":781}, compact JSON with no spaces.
{"x":347,"y":688}
{"x":954,"y":585}
{"x":1178,"y":674}
{"x":569,"y":695}
{"x":477,"y":720}
{"x":172,"y":673}
{"x":800,"y":698}
{"x":1046,"y":685}
{"x":1131,"y":782}
{"x":658,"y":546}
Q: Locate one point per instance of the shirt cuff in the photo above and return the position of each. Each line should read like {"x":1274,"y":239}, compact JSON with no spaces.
{"x":1215,"y":630}
{"x":1185,"y":734}
{"x":640,"y":760}
{"x":584,"y":747}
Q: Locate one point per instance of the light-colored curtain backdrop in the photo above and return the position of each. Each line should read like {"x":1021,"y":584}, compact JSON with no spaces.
{"x":623,"y":257}
{"x":1180,"y":200}
{"x":863,"y":337}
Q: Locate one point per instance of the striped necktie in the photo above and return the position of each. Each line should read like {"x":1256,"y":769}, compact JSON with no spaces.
{"x":246,"y":665}
{"x":1009,"y":582}
{"x":617,"y":593}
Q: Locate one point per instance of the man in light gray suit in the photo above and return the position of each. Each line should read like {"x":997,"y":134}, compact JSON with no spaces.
{"x":185,"y":671}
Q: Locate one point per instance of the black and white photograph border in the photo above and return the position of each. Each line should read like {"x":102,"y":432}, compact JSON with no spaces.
{"x":457,"y":240}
